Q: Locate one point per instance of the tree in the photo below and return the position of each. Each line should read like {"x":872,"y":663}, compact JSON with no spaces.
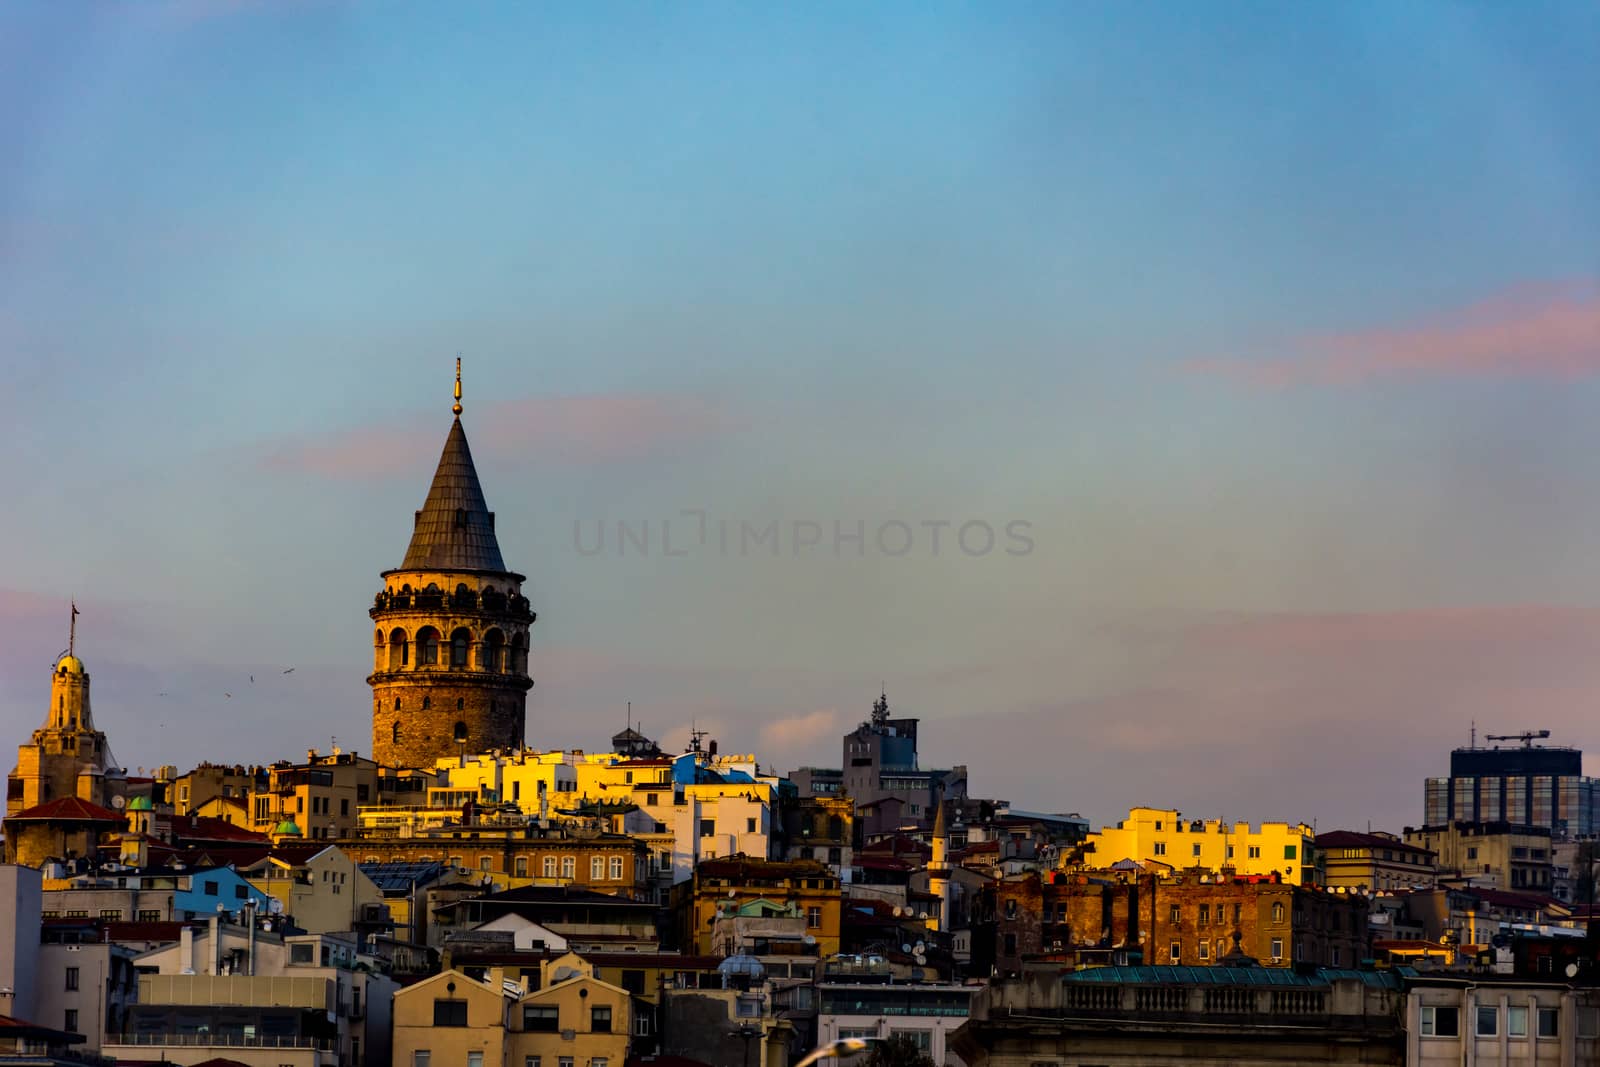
{"x":898,"y":1051}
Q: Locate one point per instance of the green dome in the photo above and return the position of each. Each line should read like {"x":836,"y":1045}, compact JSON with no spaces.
{"x":287,"y":828}
{"x":141,"y":804}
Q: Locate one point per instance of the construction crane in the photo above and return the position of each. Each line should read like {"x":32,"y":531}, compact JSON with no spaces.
{"x":1527,"y":739}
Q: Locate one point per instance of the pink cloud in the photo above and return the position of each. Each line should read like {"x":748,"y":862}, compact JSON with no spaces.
{"x":1536,"y":330}
{"x":801,"y":731}
{"x":594,"y":428}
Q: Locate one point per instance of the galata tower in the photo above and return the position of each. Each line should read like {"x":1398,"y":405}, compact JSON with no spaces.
{"x":450,"y":647}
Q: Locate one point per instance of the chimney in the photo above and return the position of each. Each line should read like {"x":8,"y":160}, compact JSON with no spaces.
{"x":216,"y":944}
{"x":186,"y":948}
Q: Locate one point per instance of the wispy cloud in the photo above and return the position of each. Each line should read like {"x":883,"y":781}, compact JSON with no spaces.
{"x":586,"y":429}
{"x":1532,"y":331}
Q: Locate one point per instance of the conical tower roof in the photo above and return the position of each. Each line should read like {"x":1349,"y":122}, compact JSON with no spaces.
{"x":455,"y":528}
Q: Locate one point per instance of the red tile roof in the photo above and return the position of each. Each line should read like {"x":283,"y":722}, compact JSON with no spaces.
{"x":67,"y":809}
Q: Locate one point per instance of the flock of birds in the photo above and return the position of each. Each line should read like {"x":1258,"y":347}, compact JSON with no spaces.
{"x":286,"y":670}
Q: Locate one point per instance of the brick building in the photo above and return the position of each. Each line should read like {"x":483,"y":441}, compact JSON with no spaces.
{"x":1189,"y":919}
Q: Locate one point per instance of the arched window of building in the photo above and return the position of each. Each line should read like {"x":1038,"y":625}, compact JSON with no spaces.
{"x":1277,"y":913}
{"x":461,"y":703}
{"x":427,"y":702}
{"x":398,"y":649}
{"x":394,"y":732}
{"x":427,"y":647}
{"x":493,"y":651}
{"x":461,"y":732}
{"x":396,"y":703}
{"x":460,"y":642}
{"x":519,"y":655}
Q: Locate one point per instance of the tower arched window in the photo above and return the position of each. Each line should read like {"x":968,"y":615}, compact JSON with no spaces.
{"x":461,"y":703}
{"x":494,"y":651}
{"x":394,"y":732}
{"x":460,"y":643}
{"x":427,"y":702}
{"x":519,"y":655}
{"x":461,"y":731}
{"x":396,"y":703}
{"x":399,"y":649}
{"x":427,"y":647}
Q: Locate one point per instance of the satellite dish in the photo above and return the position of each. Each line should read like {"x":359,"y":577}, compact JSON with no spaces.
{"x":118,"y":802}
{"x":918,"y":947}
{"x":808,"y":940}
{"x":1572,"y":970}
{"x":274,"y":905}
{"x":923,"y":915}
{"x":731,"y":892}
{"x":905,"y":948}
{"x":920,"y":958}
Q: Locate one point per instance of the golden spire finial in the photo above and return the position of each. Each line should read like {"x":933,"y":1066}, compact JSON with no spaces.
{"x":457,"y":406}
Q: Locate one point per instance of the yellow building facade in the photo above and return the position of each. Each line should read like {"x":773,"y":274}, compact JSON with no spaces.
{"x":1163,"y":835}
{"x":451,"y":1020}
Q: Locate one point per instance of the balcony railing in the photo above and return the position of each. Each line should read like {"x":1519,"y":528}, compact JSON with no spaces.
{"x":219,"y":1040}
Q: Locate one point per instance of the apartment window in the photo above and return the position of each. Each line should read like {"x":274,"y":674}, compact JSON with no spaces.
{"x":532,"y":1061}
{"x":1205,"y":950}
{"x":597,"y":868}
{"x":549,"y":866}
{"x":449,"y":1012}
{"x":1158,"y":824}
{"x":1472,"y":852}
{"x":1011,"y":907}
{"x":1255,"y":852}
{"x":708,"y":827}
{"x":922,"y":1039}
{"x":149,"y":916}
{"x":1011,"y":945}
{"x":421,"y":1058}
{"x":521,"y":866}
{"x":541,"y":1018}
{"x":813,"y":918}
{"x":641,"y":1024}
{"x":1336,"y":956}
{"x":1175,"y":914}
{"x":1195,"y":849}
{"x":749,"y":826}
{"x":564,"y":1061}
{"x":652,"y":799}
{"x":1238,"y":911}
{"x":600,"y":1019}
{"x":210,"y":889}
{"x":598,"y":1061}
{"x":1161,"y":848}
{"x":1549,"y":1022}
{"x":616,"y":868}
{"x":569,"y":866}
{"x":72,"y":978}
{"x":475,"y":1058}
{"x":1289,"y":852}
{"x":72,"y":1021}
{"x":1277,"y":948}
{"x":1175,"y":952}
{"x":1516,"y":1021}
{"x":1205,"y":915}
{"x":300,"y":952}
{"x":1440,"y":1022}
{"x":1488,"y":1022}
{"x":1277,"y":912}
{"x":455,"y":861}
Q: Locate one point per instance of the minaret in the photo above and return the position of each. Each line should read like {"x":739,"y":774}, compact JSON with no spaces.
{"x":939,"y":867}
{"x":450,"y":650}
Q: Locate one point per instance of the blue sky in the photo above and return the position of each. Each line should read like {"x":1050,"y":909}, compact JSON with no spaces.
{"x":1278,"y":327}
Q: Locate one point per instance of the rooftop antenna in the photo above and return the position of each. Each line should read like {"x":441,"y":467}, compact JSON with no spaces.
{"x":1474,"y":742}
{"x":72,"y":630}
{"x":456,"y":407}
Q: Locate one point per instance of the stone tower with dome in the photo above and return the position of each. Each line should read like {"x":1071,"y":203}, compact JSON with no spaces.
{"x":450,"y":638}
{"x":67,"y":756}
